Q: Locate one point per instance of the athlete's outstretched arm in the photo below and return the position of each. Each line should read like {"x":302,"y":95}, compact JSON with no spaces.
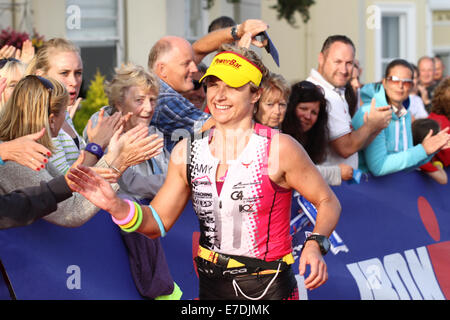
{"x":171,"y":199}
{"x":168,"y":203}
{"x":298,"y":172}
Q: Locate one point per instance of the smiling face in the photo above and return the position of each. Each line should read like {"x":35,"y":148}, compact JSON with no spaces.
{"x":177,"y":67}
{"x":398,"y":91}
{"x":230,"y":105}
{"x":272,"y":108}
{"x":307,"y":113}
{"x":336,"y":64}
{"x":426,"y":71}
{"x":141,"y":103}
{"x":66,"y":66}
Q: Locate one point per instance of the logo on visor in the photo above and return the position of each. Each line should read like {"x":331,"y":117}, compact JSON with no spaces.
{"x":231,"y":62}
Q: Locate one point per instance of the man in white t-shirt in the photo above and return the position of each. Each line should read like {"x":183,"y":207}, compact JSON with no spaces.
{"x":335,"y":68}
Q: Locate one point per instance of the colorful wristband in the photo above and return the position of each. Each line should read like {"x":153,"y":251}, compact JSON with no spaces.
{"x":1,"y":161}
{"x":138,"y":222}
{"x":158,"y":221}
{"x":129,"y":217}
{"x":133,"y":221}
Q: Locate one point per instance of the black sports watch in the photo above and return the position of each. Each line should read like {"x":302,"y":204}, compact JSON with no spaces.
{"x":234,"y":33}
{"x":323,"y":242}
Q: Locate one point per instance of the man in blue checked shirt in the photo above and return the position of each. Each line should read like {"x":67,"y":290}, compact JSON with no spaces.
{"x":174,"y":61}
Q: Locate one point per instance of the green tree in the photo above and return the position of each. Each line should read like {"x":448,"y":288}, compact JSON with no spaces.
{"x":95,"y":99}
{"x":286,"y":9}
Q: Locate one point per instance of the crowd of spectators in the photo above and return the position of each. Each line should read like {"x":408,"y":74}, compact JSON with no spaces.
{"x":397,"y":123}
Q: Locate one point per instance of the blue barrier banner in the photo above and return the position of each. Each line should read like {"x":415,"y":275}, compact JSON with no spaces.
{"x":45,"y":261}
{"x":396,"y":234}
{"x":393,"y":235}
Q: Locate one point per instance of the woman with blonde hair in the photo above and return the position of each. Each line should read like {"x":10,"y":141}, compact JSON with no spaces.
{"x":38,"y":103}
{"x":60,"y":59}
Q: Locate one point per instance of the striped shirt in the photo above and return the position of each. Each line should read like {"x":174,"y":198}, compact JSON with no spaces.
{"x":66,"y":151}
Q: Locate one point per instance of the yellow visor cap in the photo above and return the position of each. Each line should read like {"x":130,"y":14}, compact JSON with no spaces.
{"x":233,"y":69}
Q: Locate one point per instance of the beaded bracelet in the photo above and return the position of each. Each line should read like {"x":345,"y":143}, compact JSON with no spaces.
{"x":158,"y":221}
{"x":128,"y":218}
{"x":138,"y":222}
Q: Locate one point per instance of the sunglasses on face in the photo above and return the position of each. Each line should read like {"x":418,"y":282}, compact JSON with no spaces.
{"x":6,"y":60}
{"x":397,"y":81}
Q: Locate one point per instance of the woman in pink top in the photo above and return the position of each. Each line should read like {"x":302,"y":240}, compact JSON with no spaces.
{"x":245,"y":248}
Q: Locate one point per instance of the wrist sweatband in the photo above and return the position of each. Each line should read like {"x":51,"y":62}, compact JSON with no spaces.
{"x":95,"y":149}
{"x":158,"y":221}
{"x":356,"y":178}
{"x":1,"y":161}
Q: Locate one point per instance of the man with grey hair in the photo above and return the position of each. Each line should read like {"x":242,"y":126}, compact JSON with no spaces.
{"x":426,"y":85}
{"x":174,"y":61}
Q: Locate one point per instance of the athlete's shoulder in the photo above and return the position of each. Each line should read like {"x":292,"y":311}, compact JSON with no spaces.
{"x":180,"y":152}
{"x":285,"y":141}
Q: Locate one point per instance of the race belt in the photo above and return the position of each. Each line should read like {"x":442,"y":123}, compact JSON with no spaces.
{"x":229,"y":262}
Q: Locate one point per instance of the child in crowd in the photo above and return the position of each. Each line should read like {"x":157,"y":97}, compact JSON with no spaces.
{"x":420,"y":129}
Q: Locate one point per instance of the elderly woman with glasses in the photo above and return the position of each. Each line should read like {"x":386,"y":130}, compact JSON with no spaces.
{"x":392,"y":150}
{"x":37,"y":103}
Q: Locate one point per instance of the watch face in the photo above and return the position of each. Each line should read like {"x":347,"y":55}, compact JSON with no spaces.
{"x":326,"y":244}
{"x":323,"y":242}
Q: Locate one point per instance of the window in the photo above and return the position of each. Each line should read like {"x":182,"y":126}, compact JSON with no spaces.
{"x":195,"y":19}
{"x":396,"y":36}
{"x":97,"y":28}
{"x":438,"y":19}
